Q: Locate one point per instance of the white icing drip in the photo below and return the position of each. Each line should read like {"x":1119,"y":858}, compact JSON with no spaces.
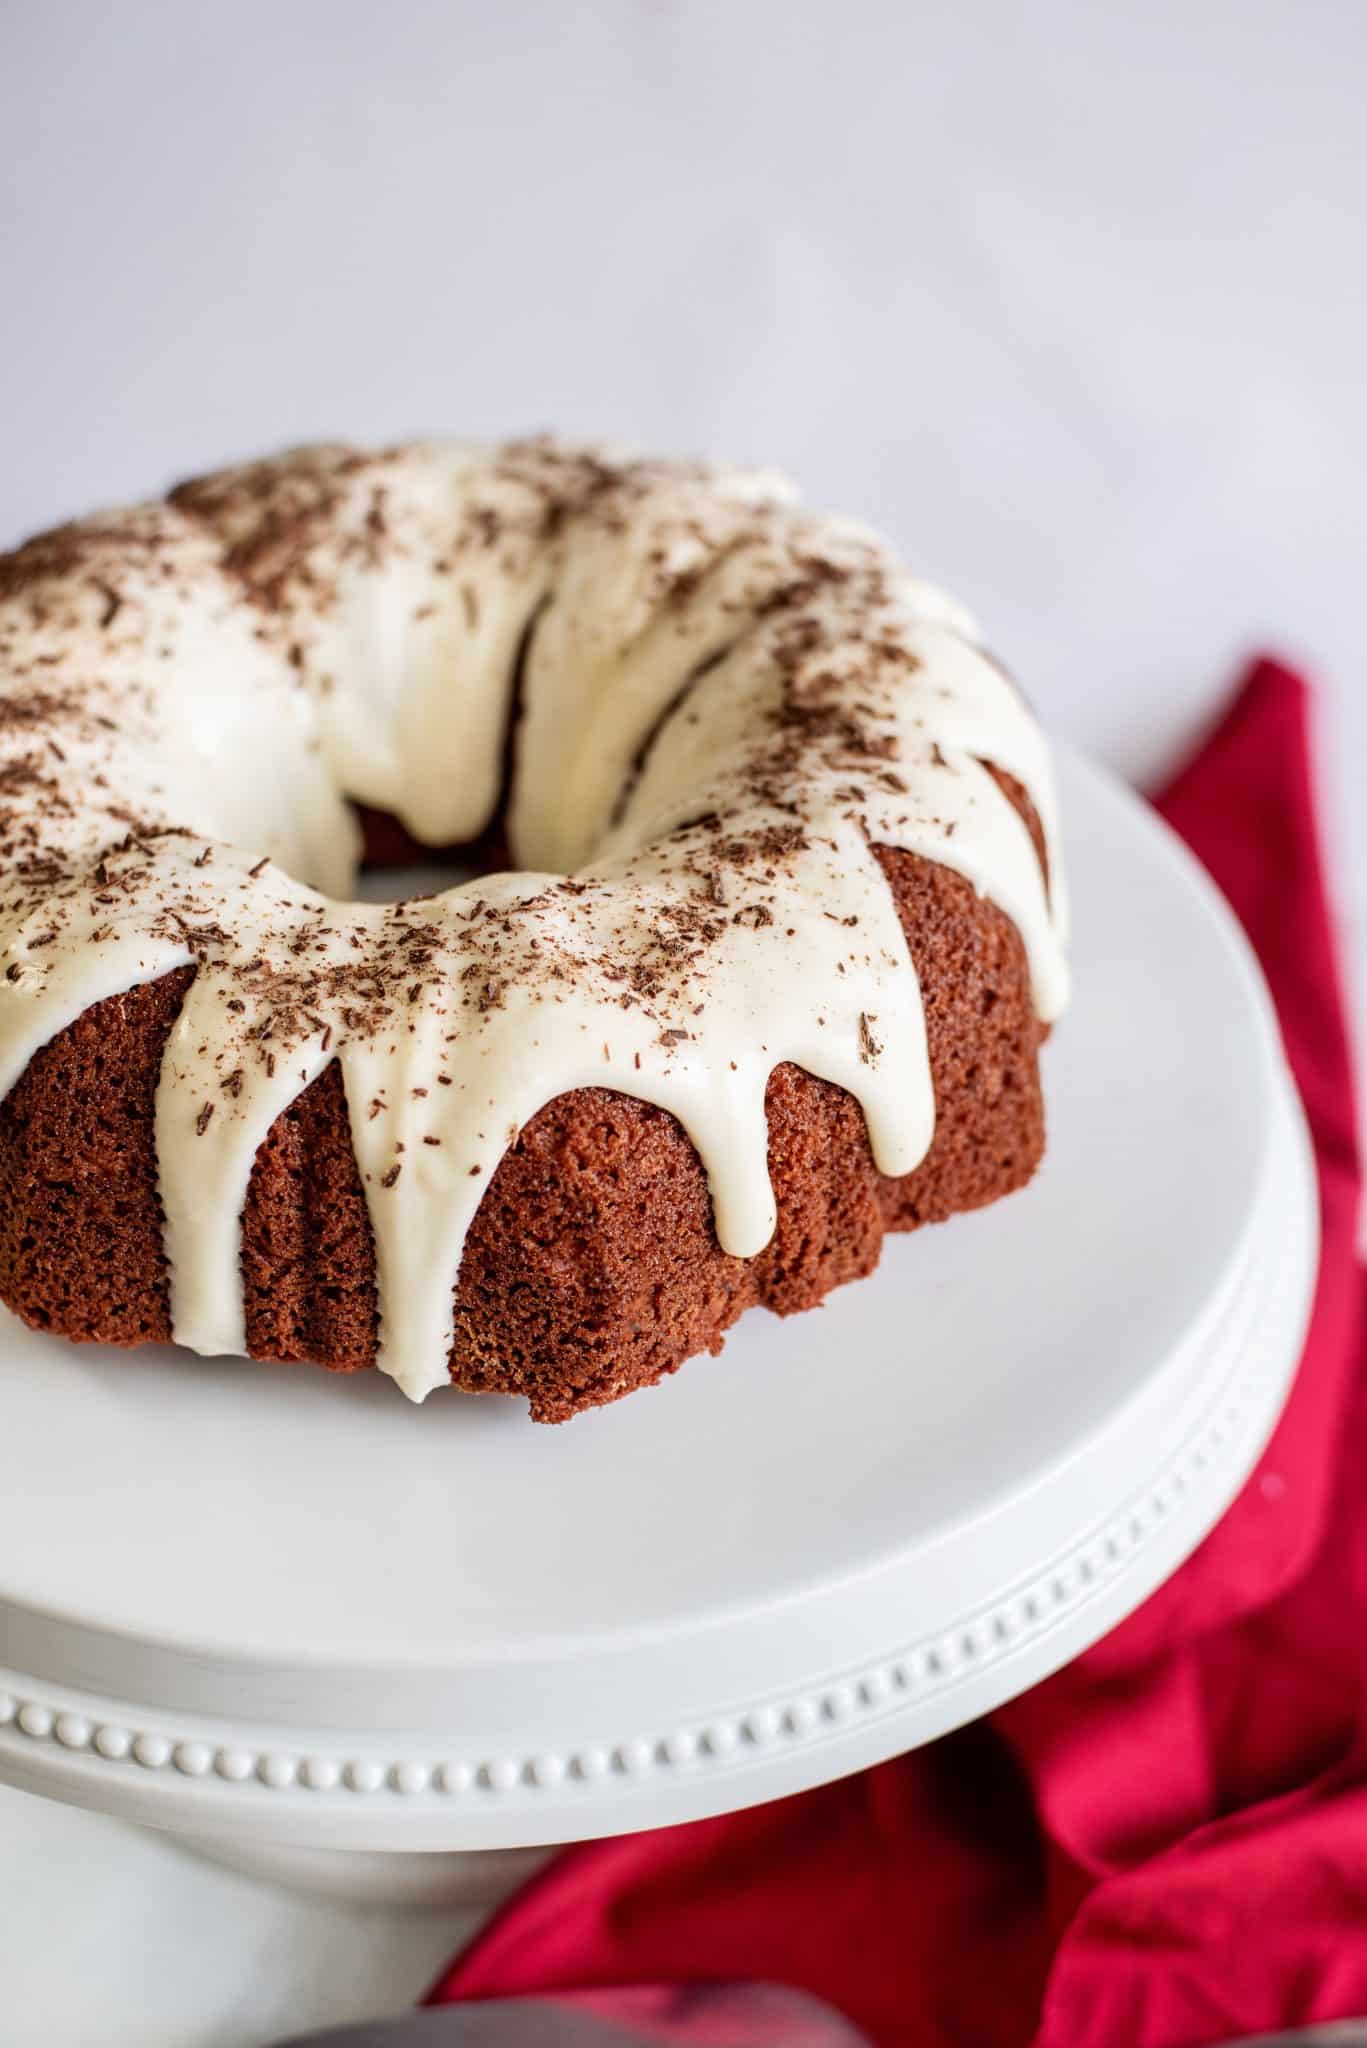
{"x":728,"y":703}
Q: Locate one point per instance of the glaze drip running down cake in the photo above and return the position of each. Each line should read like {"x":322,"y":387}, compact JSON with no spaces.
{"x":781,"y":930}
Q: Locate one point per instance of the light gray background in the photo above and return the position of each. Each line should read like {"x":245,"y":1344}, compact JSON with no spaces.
{"x":1068,"y":297}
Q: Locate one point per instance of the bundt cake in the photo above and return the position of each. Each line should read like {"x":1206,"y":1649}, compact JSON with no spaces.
{"x":780,"y":931}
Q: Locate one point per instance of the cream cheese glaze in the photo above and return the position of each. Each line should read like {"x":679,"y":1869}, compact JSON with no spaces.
{"x":707,"y":705}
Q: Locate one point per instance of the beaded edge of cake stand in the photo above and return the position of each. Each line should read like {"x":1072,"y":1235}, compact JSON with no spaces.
{"x":920,"y":1672}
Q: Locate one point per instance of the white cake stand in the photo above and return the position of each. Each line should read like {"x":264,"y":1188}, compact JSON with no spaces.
{"x":332,"y":1634}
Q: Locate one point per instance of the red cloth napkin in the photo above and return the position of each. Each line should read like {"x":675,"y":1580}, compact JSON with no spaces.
{"x":1166,"y":1843}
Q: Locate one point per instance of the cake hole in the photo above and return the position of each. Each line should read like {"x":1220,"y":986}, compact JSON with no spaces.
{"x":396,"y":868}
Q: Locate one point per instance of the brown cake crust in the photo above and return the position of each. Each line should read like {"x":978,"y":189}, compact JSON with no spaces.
{"x":592,"y":1267}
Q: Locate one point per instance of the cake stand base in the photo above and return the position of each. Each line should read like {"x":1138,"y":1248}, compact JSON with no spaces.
{"x":477,"y":1879}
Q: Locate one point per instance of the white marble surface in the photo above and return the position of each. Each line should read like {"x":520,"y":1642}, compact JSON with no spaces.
{"x":112,"y":1937}
{"x":1068,"y":297}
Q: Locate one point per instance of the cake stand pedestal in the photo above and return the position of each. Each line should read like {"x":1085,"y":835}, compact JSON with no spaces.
{"x":325,"y":1634}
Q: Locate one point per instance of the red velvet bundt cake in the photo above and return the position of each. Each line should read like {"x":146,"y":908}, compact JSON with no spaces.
{"x":768,"y":980}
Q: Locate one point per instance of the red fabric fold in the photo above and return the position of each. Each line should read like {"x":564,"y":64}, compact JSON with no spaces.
{"x":1164,"y":1845}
